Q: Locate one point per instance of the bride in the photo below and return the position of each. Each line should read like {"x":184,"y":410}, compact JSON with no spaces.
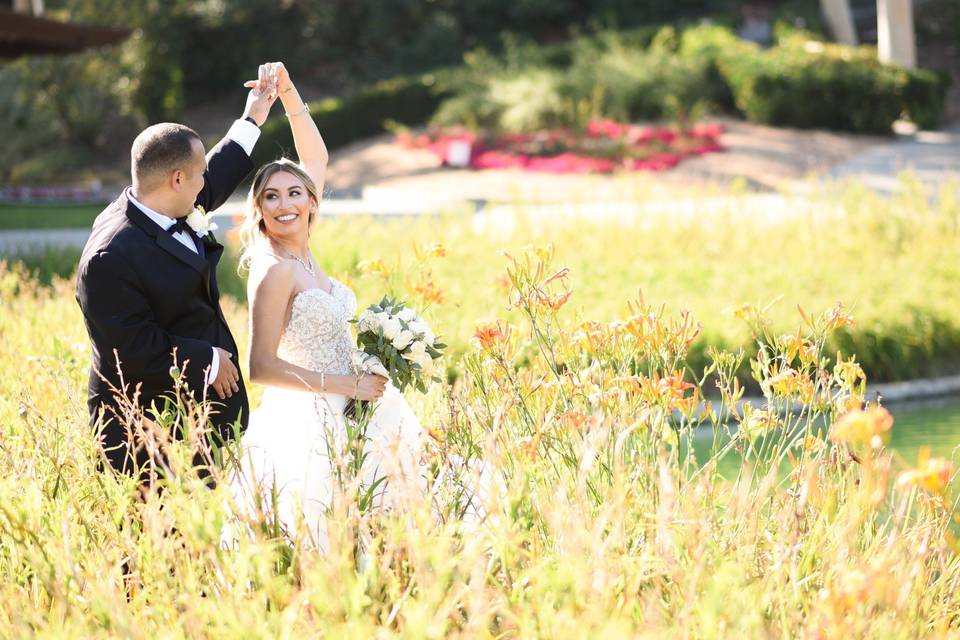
{"x":301,"y":350}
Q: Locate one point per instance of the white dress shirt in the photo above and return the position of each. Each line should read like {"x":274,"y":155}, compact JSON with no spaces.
{"x":244,"y":133}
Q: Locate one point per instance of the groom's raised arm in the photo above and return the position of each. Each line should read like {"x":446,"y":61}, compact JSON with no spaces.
{"x":228,"y":163}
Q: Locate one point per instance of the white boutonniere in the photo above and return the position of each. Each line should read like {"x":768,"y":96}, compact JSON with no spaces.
{"x":201,"y":222}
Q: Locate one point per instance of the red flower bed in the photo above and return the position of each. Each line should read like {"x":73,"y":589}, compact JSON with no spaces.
{"x":604,"y":147}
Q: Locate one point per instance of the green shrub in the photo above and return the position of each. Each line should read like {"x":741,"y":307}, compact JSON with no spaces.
{"x":801,"y":82}
{"x":925,"y":96}
{"x":407,"y":100}
{"x":523,"y":90}
{"x":636,"y":84}
{"x":808,"y":84}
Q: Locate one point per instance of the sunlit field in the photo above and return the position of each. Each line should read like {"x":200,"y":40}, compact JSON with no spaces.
{"x":892,"y":263}
{"x":564,"y":498}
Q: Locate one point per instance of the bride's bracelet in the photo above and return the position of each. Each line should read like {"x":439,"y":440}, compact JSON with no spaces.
{"x":323,"y":382}
{"x":306,"y":109}
{"x":356,"y":386}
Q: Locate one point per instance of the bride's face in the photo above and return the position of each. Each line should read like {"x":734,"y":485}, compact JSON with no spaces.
{"x":286,"y":205}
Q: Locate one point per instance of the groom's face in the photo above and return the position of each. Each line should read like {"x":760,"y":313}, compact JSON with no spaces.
{"x":191,"y":178}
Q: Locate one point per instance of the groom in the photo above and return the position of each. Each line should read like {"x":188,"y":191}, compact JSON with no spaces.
{"x":147,"y":286}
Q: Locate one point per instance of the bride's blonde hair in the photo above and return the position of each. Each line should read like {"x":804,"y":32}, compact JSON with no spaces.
{"x":253,"y":230}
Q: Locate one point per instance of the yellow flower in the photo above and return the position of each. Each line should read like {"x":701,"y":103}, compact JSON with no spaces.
{"x":849,"y":372}
{"x":429,"y":250}
{"x":869,"y":426}
{"x":790,"y":382}
{"x":792,"y":345}
{"x":837,"y":317}
{"x":756,"y":423}
{"x":743,"y":311}
{"x":931,"y":475}
{"x":374,"y":267}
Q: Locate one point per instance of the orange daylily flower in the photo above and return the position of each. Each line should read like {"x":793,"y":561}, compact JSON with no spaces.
{"x":489,"y":334}
{"x":503,"y":283}
{"x":429,"y":291}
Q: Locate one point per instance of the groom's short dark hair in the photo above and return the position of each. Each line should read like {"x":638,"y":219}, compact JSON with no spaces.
{"x":159,"y":149}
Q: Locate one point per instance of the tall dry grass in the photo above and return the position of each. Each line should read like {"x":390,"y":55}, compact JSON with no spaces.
{"x":564,"y":498}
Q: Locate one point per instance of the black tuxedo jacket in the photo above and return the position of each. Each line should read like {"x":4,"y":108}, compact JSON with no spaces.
{"x":145,"y":296}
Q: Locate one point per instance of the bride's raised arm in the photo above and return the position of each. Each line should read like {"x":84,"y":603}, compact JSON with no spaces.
{"x":306,"y":136}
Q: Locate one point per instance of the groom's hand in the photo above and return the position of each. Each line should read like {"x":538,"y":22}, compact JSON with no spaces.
{"x":228,"y":377}
{"x":263,"y":93}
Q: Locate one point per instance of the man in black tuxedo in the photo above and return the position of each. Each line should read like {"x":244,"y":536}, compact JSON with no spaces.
{"x":147,"y":285}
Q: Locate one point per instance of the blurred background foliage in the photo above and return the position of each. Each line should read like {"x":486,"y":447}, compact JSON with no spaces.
{"x":542,"y":61}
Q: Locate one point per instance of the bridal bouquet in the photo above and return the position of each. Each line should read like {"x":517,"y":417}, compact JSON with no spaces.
{"x":395,"y":342}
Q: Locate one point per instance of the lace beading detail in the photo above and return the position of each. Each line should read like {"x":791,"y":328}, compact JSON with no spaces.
{"x":318,"y":335}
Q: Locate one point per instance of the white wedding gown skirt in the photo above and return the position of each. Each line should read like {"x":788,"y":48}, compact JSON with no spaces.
{"x":295,"y":444}
{"x":293,"y":452}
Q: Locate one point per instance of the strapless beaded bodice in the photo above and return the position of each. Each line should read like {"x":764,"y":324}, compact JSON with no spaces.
{"x":318,"y":336}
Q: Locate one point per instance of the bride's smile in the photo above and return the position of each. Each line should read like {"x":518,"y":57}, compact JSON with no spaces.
{"x":286,"y":205}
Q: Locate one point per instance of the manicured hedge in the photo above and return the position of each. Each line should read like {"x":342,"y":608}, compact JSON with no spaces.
{"x":801,"y":82}
{"x":809,"y":84}
{"x":407,"y":100}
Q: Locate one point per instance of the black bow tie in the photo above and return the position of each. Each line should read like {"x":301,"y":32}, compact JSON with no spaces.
{"x":180,"y":224}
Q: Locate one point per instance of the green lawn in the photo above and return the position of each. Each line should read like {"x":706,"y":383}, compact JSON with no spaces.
{"x":66,"y":216}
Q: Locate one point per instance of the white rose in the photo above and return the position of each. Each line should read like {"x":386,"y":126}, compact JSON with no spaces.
{"x":382,"y":318}
{"x":403,"y":338}
{"x":391,"y":328}
{"x":367,"y":322}
{"x":200,"y":223}
{"x":419,"y":327}
{"x":426,"y":364}
{"x":417,"y":349}
{"x":407,"y":314}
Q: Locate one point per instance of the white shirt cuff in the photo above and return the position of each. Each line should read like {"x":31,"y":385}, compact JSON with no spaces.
{"x":244,"y":133}
{"x":214,"y":364}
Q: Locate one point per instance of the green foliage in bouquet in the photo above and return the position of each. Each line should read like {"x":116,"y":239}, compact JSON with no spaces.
{"x":409,"y":363}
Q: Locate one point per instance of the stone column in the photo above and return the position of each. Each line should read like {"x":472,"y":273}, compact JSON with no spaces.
{"x":895,"y":32}
{"x":839,"y":20}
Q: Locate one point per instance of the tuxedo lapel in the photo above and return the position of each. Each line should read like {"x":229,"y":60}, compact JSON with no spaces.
{"x":171,"y":245}
{"x":213,"y":249}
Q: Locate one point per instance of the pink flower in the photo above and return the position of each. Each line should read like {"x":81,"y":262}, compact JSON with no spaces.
{"x":493,"y":159}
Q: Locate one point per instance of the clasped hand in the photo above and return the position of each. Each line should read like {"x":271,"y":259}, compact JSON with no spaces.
{"x":272,"y":78}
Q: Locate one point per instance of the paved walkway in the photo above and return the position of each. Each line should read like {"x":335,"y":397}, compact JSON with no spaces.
{"x":31,"y":240}
{"x":932,"y":156}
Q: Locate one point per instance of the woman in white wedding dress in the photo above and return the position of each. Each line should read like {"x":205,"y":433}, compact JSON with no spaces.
{"x":301,"y":350}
